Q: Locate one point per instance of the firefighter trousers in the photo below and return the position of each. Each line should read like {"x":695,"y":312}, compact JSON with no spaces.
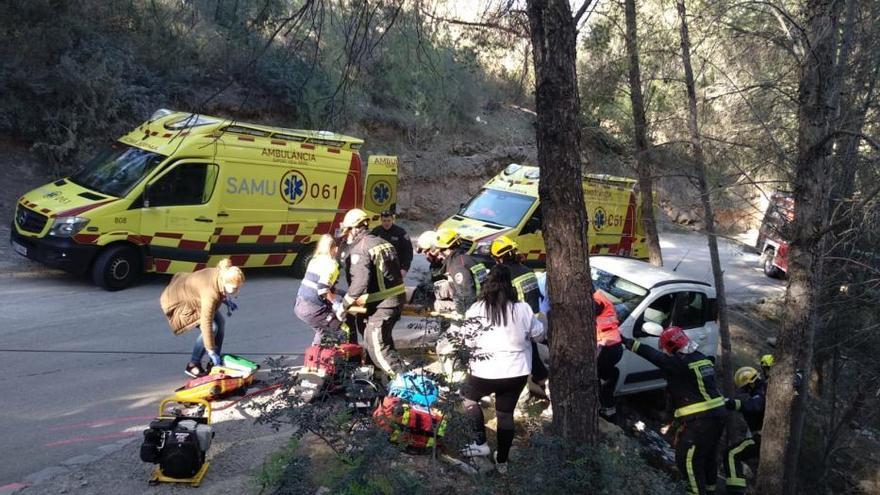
{"x":379,"y":342}
{"x":735,"y":459}
{"x":696,"y":448}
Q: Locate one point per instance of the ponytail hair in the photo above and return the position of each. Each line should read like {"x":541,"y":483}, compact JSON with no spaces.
{"x":325,"y":245}
{"x":229,"y":273}
{"x":498,"y":294}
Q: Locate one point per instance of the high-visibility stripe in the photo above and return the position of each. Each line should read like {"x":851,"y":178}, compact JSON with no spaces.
{"x":735,"y":479}
{"x":696,"y":365}
{"x":379,"y":357}
{"x":636,"y":345}
{"x":699,"y":407}
{"x":520,"y":281}
{"x":479,"y":272}
{"x":385,"y":294}
{"x":689,"y":467}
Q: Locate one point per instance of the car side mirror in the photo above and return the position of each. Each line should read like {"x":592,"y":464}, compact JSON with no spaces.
{"x":651,"y":328}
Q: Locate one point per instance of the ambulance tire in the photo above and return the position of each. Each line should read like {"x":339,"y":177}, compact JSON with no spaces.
{"x":298,"y":268}
{"x":116,"y":268}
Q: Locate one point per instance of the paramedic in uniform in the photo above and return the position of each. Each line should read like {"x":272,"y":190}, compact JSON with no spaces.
{"x":397,"y":237}
{"x":375,"y":283}
{"x":317,"y":300}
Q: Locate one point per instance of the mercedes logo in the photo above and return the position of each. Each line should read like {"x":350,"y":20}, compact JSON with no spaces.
{"x":22,"y":217}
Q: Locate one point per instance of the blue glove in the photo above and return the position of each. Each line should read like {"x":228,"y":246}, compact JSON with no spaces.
{"x":215,"y":358}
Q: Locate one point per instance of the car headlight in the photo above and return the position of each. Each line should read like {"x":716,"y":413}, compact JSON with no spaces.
{"x":483,"y":247}
{"x":67,"y":226}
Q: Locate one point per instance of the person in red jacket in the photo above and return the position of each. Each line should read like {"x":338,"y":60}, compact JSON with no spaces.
{"x":609,"y":351}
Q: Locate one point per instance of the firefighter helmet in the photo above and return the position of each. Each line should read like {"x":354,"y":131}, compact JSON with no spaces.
{"x":427,"y":241}
{"x":673,"y":339}
{"x":502,"y":246}
{"x":745,"y":376}
{"x":354,"y":218}
{"x":767,"y":360}
{"x":447,"y":238}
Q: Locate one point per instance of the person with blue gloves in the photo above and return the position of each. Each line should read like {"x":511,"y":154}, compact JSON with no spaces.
{"x":192,"y":300}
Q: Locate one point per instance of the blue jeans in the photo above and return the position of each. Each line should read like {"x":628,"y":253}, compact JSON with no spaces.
{"x":217,"y":329}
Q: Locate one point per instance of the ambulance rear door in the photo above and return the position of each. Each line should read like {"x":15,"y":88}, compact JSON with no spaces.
{"x":380,"y":189}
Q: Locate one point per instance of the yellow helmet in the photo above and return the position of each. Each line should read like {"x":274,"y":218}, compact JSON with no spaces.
{"x":447,"y":238}
{"x":354,"y":218}
{"x":767,"y":360}
{"x":745,"y":376}
{"x":503,"y":245}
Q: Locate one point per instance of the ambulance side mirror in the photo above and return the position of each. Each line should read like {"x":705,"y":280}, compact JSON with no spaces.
{"x":651,"y":328}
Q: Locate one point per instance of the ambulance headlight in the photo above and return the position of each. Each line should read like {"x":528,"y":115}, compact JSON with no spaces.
{"x":67,"y":226}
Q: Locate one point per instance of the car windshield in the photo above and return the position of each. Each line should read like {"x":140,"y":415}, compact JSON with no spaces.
{"x":116,"y":170}
{"x":625,"y":295}
{"x":498,"y":207}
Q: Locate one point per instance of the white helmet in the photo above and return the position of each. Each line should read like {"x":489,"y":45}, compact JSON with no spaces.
{"x":427,"y":241}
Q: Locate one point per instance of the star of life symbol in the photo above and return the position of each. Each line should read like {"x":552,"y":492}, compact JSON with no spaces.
{"x":381,"y":192}
{"x":293,"y":187}
{"x":599,"y":219}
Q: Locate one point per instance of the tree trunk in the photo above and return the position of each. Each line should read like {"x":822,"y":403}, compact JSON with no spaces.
{"x":640,"y":137}
{"x":706,"y":201}
{"x":783,"y":422}
{"x":573,"y":381}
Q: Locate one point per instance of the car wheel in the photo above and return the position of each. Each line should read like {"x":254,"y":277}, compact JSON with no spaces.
{"x":769,"y":269}
{"x":298,"y":268}
{"x":116,"y":268}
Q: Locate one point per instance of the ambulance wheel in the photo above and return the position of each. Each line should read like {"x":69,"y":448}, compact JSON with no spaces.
{"x":116,"y":268}
{"x":298,"y":268}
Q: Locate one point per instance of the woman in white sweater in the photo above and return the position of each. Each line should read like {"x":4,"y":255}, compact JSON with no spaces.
{"x":502,"y":359}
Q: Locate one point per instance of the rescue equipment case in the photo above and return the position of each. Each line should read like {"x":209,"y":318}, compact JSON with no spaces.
{"x":408,"y":424}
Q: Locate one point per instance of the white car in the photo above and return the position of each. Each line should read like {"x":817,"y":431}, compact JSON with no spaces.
{"x":647,"y":300}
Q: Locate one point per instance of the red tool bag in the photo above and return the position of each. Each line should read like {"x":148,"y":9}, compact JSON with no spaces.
{"x":210,"y":387}
{"x":409,"y":424}
{"x":324,"y":358}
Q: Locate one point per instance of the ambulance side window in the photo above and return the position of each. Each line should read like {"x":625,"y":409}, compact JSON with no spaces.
{"x":186,"y":184}
{"x":533,"y":224}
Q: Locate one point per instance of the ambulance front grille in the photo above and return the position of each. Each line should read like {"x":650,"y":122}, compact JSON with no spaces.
{"x":29,"y":220}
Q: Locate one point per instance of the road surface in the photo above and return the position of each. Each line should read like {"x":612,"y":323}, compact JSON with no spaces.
{"x":82,"y":368}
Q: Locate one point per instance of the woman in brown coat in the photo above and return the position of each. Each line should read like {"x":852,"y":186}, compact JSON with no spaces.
{"x":192,"y":300}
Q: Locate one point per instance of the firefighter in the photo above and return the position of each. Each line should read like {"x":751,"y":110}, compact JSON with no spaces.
{"x":465,"y":273}
{"x":397,"y":237}
{"x":767,"y":362}
{"x":748,"y":381}
{"x":505,"y":251}
{"x":699,"y":407}
{"x":375,"y":282}
{"x":609,"y":350}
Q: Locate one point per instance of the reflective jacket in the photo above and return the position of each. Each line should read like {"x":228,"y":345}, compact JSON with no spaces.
{"x":526,"y":284}
{"x":607,"y":330}
{"x":320,"y":277}
{"x":466,"y":274}
{"x":374,"y":272}
{"x":690,"y":381}
{"x":752,"y":408}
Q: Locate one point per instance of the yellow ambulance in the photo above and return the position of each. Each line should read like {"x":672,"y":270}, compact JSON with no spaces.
{"x":182,"y":191}
{"x":509,"y":205}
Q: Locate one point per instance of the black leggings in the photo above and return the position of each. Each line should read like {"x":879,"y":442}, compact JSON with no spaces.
{"x":507,"y":391}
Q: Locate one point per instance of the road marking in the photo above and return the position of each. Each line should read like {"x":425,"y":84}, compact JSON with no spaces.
{"x":93,"y":438}
{"x":101,"y":422}
{"x":13,"y":486}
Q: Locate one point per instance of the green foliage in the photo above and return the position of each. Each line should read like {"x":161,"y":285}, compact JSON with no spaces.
{"x":77,"y":74}
{"x":284,"y":471}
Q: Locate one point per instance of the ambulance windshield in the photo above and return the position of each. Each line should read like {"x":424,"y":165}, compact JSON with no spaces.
{"x":498,"y":207}
{"x":116,"y":170}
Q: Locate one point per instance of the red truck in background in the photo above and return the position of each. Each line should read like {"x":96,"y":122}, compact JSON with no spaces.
{"x":771,"y":243}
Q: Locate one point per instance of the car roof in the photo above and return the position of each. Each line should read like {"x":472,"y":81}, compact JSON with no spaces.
{"x":640,"y":272}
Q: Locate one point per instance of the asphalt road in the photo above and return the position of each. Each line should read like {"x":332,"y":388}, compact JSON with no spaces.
{"x":76,"y":369}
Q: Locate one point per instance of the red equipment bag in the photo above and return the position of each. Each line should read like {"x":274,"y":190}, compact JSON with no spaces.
{"x":409,"y":424}
{"x":324,"y":358}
